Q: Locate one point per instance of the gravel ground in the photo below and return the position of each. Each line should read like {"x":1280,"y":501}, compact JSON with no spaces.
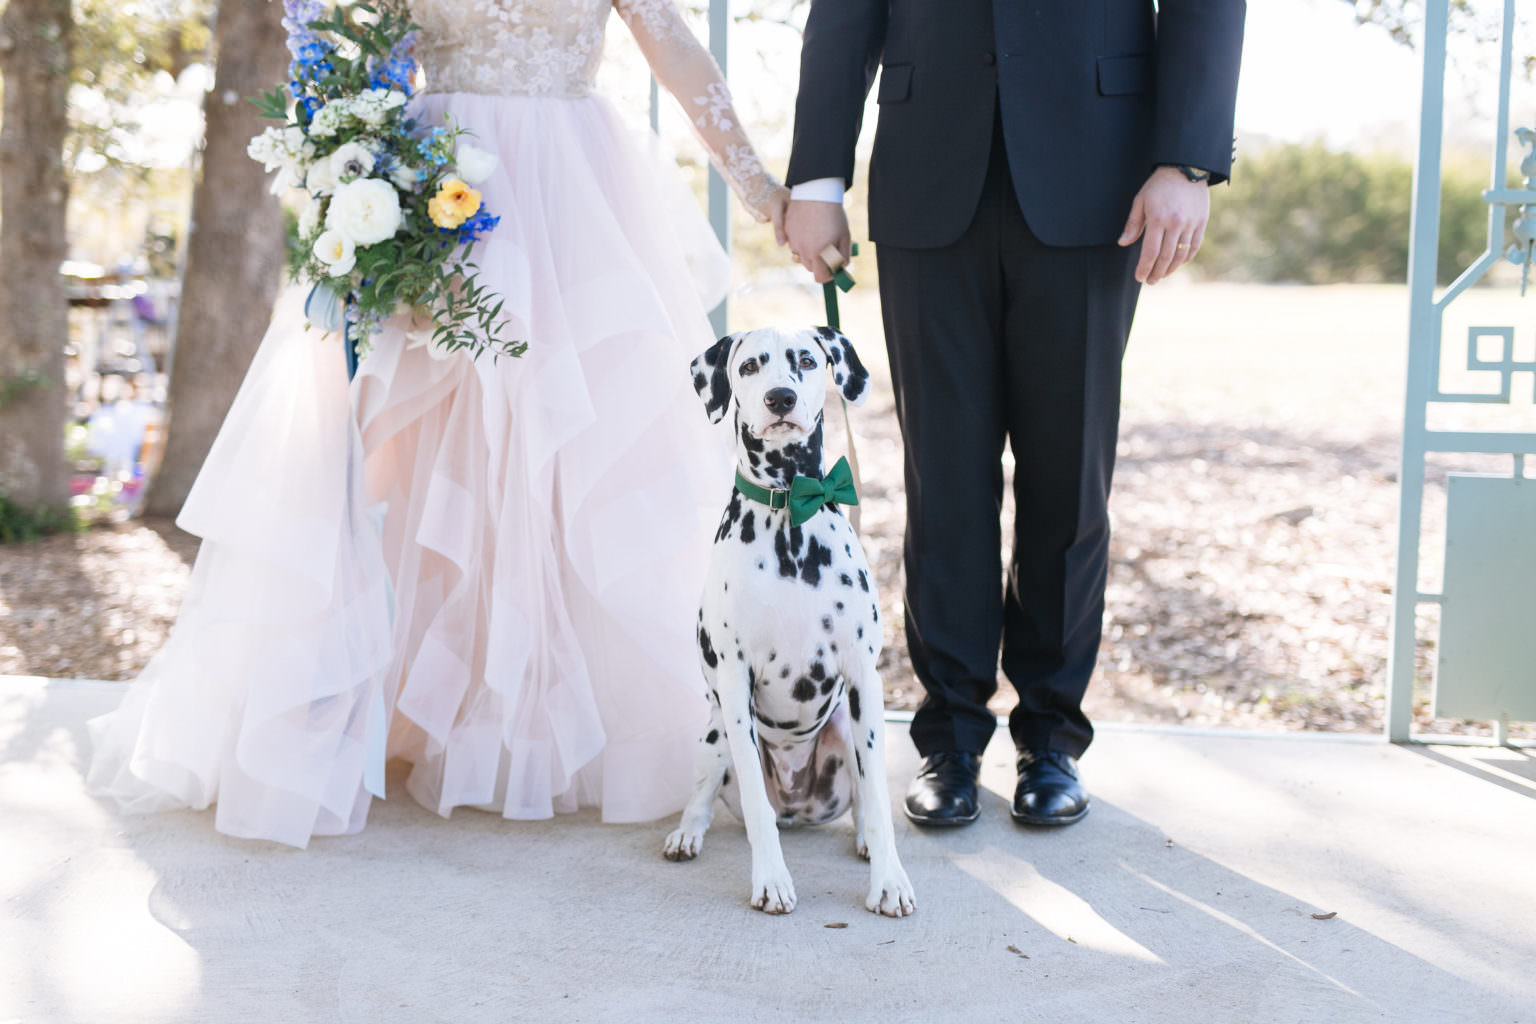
{"x":1254,"y":519}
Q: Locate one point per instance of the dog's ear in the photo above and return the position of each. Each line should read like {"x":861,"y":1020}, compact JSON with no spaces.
{"x":847,"y":373}
{"x":712,"y":378}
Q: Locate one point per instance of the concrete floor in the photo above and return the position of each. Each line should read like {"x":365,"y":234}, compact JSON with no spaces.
{"x":1187,"y":895}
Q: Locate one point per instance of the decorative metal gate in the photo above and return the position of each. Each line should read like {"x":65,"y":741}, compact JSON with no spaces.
{"x":1485,"y":657}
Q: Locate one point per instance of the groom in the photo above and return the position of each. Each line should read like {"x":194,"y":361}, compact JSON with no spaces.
{"x":1024,"y":149}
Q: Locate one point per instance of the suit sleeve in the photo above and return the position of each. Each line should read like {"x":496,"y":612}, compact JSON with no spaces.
{"x":838,"y":59}
{"x":1199,"y":48}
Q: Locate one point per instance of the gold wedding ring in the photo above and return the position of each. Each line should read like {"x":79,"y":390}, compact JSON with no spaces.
{"x":1183,"y":245}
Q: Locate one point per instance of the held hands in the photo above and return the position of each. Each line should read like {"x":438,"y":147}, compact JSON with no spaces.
{"x":808,"y":227}
{"x":1172,"y":211}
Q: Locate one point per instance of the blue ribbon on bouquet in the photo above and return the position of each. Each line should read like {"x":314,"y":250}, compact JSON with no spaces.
{"x":328,"y":311}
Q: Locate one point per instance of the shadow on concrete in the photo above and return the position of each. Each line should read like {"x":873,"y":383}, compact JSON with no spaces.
{"x":1513,"y":761}
{"x":476,"y":918}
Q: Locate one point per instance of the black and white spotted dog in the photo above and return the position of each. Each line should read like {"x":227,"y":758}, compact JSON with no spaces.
{"x":789,"y":627}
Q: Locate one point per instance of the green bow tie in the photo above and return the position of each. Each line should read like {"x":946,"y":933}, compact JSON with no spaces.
{"x":805,"y":495}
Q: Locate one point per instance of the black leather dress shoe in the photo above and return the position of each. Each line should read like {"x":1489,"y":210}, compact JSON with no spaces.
{"x":944,"y":792}
{"x":1048,"y":792}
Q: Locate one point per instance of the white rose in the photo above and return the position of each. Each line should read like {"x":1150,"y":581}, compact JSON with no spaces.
{"x":352,"y":160}
{"x":404,"y":177}
{"x":309,"y":218}
{"x":366,"y":210}
{"x":337,"y":252}
{"x":320,"y":180}
{"x":474,"y":164}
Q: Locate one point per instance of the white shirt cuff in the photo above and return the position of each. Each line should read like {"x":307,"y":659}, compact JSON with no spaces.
{"x":821,"y":190}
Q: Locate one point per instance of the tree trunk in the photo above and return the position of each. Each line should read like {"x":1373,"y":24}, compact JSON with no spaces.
{"x":35,"y":38}
{"x":235,"y":251}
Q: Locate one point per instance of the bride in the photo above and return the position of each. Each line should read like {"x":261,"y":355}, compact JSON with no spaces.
{"x":487,"y":569}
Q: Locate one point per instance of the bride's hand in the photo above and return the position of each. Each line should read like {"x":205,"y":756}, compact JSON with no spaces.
{"x":776,"y":207}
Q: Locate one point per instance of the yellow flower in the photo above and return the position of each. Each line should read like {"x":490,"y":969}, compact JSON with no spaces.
{"x":454,"y":203}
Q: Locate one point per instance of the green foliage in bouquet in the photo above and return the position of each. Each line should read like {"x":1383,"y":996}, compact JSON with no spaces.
{"x":392,"y":216}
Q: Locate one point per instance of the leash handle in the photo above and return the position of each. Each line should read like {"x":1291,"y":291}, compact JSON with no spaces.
{"x":842,"y":280}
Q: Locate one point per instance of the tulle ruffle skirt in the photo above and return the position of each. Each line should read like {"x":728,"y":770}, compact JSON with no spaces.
{"x":489,"y":569}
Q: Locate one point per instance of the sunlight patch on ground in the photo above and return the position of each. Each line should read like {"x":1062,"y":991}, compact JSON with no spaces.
{"x":1057,"y":909}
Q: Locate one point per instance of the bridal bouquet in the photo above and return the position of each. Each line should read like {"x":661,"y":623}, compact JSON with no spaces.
{"x":393,"y":214}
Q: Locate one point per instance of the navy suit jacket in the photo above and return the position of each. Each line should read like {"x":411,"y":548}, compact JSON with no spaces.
{"x":1092,"y":95}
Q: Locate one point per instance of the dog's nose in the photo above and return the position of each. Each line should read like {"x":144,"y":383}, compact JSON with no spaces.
{"x":779,"y":400}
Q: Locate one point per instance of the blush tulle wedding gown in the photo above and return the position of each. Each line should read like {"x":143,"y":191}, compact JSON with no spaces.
{"x":489,"y":570}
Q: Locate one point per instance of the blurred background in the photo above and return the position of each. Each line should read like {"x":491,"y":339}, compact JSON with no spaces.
{"x":1255,"y":499}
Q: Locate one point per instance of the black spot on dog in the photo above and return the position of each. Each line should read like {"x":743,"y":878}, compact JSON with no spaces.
{"x":834,"y":648}
{"x":707,"y":650}
{"x":787,"y":566}
{"x":853,"y":703}
{"x":817,"y":557}
{"x":826,"y":780}
{"x":804,"y":690}
{"x":784,"y":672}
{"x":725,"y":780}
{"x":845,"y":580}
{"x":827,"y":684}
{"x":760,"y":564}
{"x":826,"y":623}
{"x":839,"y":606}
{"x":798,"y":458}
{"x":728,"y":519}
{"x":863,"y":581}
{"x":874,"y":612}
{"x":871,"y":739}
{"x":818,"y":671}
{"x":858,"y":762}
{"x":748,"y":530}
{"x":787,"y":724}
{"x":714,"y":735}
{"x":861,"y":632}
{"x":848,"y":550}
{"x":741,"y":655}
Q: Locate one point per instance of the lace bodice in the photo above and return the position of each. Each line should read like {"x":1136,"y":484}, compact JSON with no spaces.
{"x":554,"y":47}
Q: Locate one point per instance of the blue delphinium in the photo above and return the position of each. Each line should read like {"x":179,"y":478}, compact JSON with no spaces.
{"x":478,"y":225}
{"x":398,"y":71}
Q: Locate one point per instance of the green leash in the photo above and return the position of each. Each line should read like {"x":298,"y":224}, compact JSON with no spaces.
{"x":843,"y":281}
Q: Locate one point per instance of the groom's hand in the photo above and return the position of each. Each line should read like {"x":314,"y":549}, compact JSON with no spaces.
{"x":810,"y":226}
{"x":1172,"y":211}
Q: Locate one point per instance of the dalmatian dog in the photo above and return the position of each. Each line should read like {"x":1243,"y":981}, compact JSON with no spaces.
{"x":789,"y":625}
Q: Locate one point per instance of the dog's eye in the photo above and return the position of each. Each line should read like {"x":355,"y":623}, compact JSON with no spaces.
{"x":748,"y":368}
{"x":807,"y":362}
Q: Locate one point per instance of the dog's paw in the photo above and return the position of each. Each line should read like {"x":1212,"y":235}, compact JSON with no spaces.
{"x":683,"y":844}
{"x":890,"y":894}
{"x":773,"y":893}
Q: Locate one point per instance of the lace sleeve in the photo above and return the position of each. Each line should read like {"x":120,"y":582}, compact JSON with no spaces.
{"x":684,"y":67}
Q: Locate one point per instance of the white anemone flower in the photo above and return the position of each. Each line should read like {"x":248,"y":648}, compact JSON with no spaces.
{"x":353,"y":160}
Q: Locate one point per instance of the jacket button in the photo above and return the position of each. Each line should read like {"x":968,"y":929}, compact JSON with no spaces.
{"x":989,"y":58}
